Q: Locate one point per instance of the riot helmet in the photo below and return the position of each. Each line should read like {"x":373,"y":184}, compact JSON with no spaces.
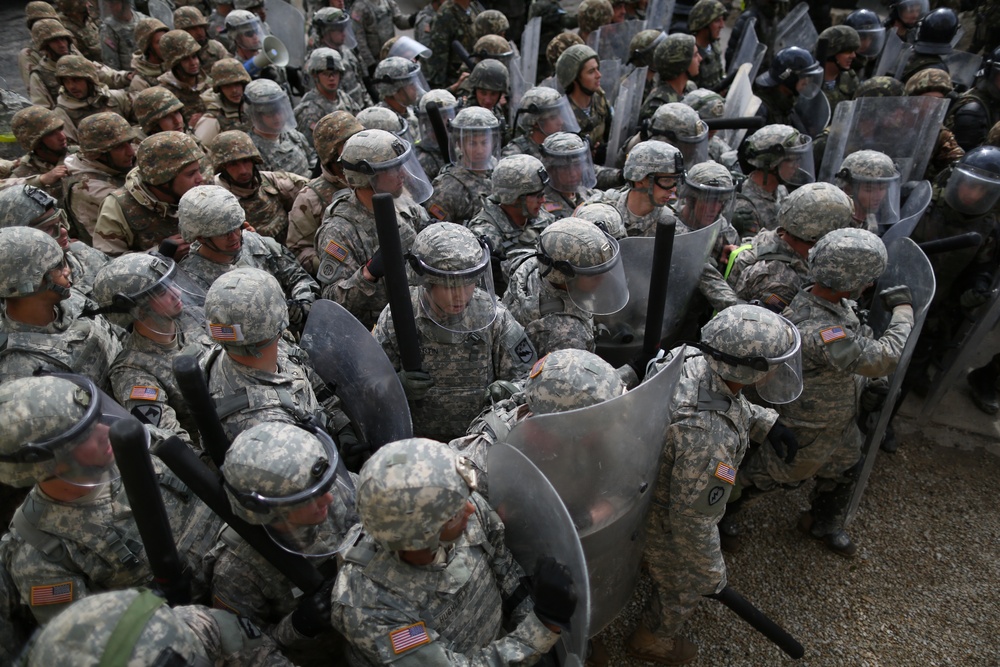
{"x":206,"y":212}
{"x":570,"y":379}
{"x":447,"y":105}
{"x":974,"y":184}
{"x":871,"y":179}
{"x":707,"y":103}
{"x":814,"y":210}
{"x":407,"y":47}
{"x":517,"y":177}
{"x":643,"y":46}
{"x":579,"y":255}
{"x":547,"y":111}
{"x":383,"y":162}
{"x":335,"y":28}
{"x":988,"y":76}
{"x":871,"y":32}
{"x":246,"y":30}
{"x":383,"y":118}
{"x":474,"y":138}
{"x":783,"y":151}
{"x":935,"y":31}
{"x":396,"y":75}
{"x":659,"y":162}
{"x":28,"y":206}
{"x":907,"y":12}
{"x":28,"y":258}
{"x":706,"y":194}
{"x":246,"y":311}
{"x":679,"y":125}
{"x":848,"y":260}
{"x":325,"y":59}
{"x":569,"y":163}
{"x":492,"y":47}
{"x":138,"y":287}
{"x":605,"y":216}
{"x":796,"y":69}
{"x":268,"y":106}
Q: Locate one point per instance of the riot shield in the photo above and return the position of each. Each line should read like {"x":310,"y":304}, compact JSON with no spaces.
{"x":908,"y":265}
{"x":740,"y":102}
{"x":904,"y":128}
{"x":518,"y":85}
{"x":537,"y":524}
{"x":658,"y":14}
{"x":346,"y":356}
{"x":611,"y":71}
{"x":894,"y":52}
{"x":811,"y":115}
{"x":750,"y":50}
{"x":288,"y":24}
{"x":160,"y":9}
{"x":625,"y":328}
{"x":611,"y":41}
{"x":626,"y":119}
{"x":796,"y":29}
{"x":603,"y":462}
{"x":910,"y":212}
{"x":530,"y":41}
{"x":963,"y":66}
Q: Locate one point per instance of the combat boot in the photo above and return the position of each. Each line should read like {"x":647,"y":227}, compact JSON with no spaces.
{"x":837,"y":541}
{"x":644,"y":645}
{"x":730,"y":535}
{"x":982,"y":389}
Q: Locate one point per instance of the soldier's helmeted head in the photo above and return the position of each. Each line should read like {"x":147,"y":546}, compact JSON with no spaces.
{"x":592,"y":14}
{"x":269,"y":108}
{"x":907,"y":13}
{"x":750,"y":345}
{"x":848,"y":260}
{"x":334,"y":27}
{"x":246,"y":311}
{"x":140,"y":287}
{"x":148,"y":35}
{"x":213,"y":217}
{"x":519,"y":181}
{"x":679,"y":125}
{"x":814,"y":210}
{"x":32,"y":263}
{"x":28,"y":206}
{"x":37,"y":10}
{"x":77,"y":76}
{"x":605,"y":216}
{"x":38,"y":128}
{"x":447,"y":107}
{"x":988,"y":76}
{"x":569,"y":380}
{"x":935,"y":32}
{"x":157,"y":109}
{"x":973,"y":186}
{"x":579,"y":67}
{"x":584,"y":259}
{"x":544,"y":111}
{"x":642,"y":48}
{"x":707,"y":15}
{"x":293,"y":482}
{"x":842,"y":44}
{"x":569,"y":163}
{"x":871,"y":32}
{"x":492,"y":47}
{"x":676,"y":55}
{"x":180,"y":53}
{"x":229,"y":79}
{"x":376,"y":161}
{"x":329,"y":136}
{"x":708,"y":104}
{"x":326,"y":67}
{"x":171,"y":162}
{"x":50,"y":37}
{"x":656,"y":168}
{"x":871,"y":179}
{"x":880,"y":86}
{"x":560,"y":43}
{"x":796,"y":69}
{"x":235,"y":157}
{"x":929,"y":82}
{"x":107,"y":138}
{"x":400,"y":79}
{"x":192,"y":21}
{"x":490,"y":22}
{"x":706,"y":194}
{"x":411,"y":491}
{"x":474,"y":136}
{"x":781,"y":151}
{"x":246,"y":30}
{"x":381,"y":118}
{"x":489,"y":80}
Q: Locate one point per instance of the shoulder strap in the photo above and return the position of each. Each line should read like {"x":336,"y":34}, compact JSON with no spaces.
{"x":24,"y":522}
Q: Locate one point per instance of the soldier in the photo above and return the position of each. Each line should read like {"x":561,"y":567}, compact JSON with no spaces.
{"x":605,"y":216}
{"x":224,"y":105}
{"x":248,"y":32}
{"x":773,"y":270}
{"x":41,"y":319}
{"x":118,"y":23}
{"x":77,"y":17}
{"x":641,"y":50}
{"x":106,"y":156}
{"x":777,"y":153}
{"x":147,"y":61}
{"x":987,"y":22}
{"x":591,"y":15}
{"x":51,"y":41}
{"x":182,"y":73}
{"x":475,"y":149}
{"x":841,"y":359}
{"x":871,"y":39}
{"x":192,"y":21}
{"x":141,"y":214}
{"x":677,"y":62}
{"x":428,"y":152}
{"x":793,"y":72}
{"x":422,"y":23}
{"x":158,"y":110}
{"x":266,"y":196}
{"x":334,"y":28}
{"x":489,"y":83}
{"x":212,"y":220}
{"x":935,"y":33}
{"x":40,"y":133}
{"x":706,"y":195}
{"x":871,"y":179}
{"x":350,"y":266}
{"x":414,"y":497}
{"x":454,"y":22}
{"x":705,"y":22}
{"x":678,"y":125}
{"x":578,"y":72}
{"x":325,"y":67}
{"x":556,"y":46}
{"x":840,"y":81}
{"x":188,"y":634}
{"x":543,"y":111}
{"x":709,"y":434}
{"x":975,"y":112}
{"x":137,"y":291}
{"x":373,"y":23}
{"x":936,"y":83}
{"x":576,"y":274}
{"x":652,"y":171}
{"x":281,"y":146}
{"x":400,"y":84}
{"x":568,"y":162}
{"x":307,"y":211}
{"x":82,"y":94}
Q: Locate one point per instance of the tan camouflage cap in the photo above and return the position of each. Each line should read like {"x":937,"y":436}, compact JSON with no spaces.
{"x":27,"y":255}
{"x":516,"y":176}
{"x":102,"y":132}
{"x":929,"y":81}
{"x":189,"y":17}
{"x":45,"y":30}
{"x":592,"y":14}
{"x":331,"y":132}
{"x":673,"y":55}
{"x":208,"y":210}
{"x":152,"y":104}
{"x":747,"y":331}
{"x":560,"y":43}
{"x":227,"y":71}
{"x":847,"y":260}
{"x":814,"y":210}
{"x":246,"y":310}
{"x":162,"y":156}
{"x":703,"y":13}
{"x":490,"y":22}
{"x":177,"y":45}
{"x":570,"y":379}
{"x":575,"y":242}
{"x":32,"y":123}
{"x":144,"y":33}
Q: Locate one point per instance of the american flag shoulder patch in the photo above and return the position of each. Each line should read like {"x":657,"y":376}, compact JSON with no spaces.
{"x":409,"y":637}
{"x":831,"y":334}
{"x":775,"y":300}
{"x":229,"y":333}
{"x":144,"y":393}
{"x":725,"y":472}
{"x":437,"y":212}
{"x":335,"y":250}
{"x":60,"y":593}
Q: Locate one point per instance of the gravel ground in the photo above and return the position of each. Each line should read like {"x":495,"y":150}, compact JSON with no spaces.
{"x":919,"y":592}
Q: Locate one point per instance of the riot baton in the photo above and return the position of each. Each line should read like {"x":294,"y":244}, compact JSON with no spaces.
{"x":760,"y":622}
{"x":207,"y":485}
{"x":395,"y":282}
{"x":194,"y":389}
{"x":741,"y":123}
{"x":440,"y":132}
{"x":128,"y":440}
{"x":952,"y":243}
{"x":659,"y":275}
{"x":463,"y":55}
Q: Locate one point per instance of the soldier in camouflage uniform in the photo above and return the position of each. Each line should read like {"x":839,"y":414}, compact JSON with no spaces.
{"x":543,"y":111}
{"x":488,"y":84}
{"x":266,"y":196}
{"x":868,"y":177}
{"x":591,"y":15}
{"x":325,"y":67}
{"x":711,"y":105}
{"x":182,"y":72}
{"x":39,"y":131}
{"x":143,"y":212}
{"x":652,"y":171}
{"x":422,"y":23}
{"x":118,"y":22}
{"x":307,"y":211}
{"x":840,"y":358}
{"x":400,"y":84}
{"x":975,"y":112}
{"x":840,"y":81}
{"x":415,"y":496}
{"x":373,"y":25}
{"x":138,"y":291}
{"x":281,"y":146}
{"x":275,"y":462}
{"x":188,"y":633}
{"x":333,"y":26}
{"x":468,"y":341}
{"x":147,"y":61}
{"x":158,"y":110}
{"x":76,"y":16}
{"x":213,"y":221}
{"x":454,"y":22}
{"x":576,"y":274}
{"x":75,"y":533}
{"x":192,"y":21}
{"x":568,"y":162}
{"x":947,"y":151}
{"x":677,"y":62}
{"x":705,"y":22}
{"x":793,"y":72}
{"x":224,"y":104}
{"x":775,"y":152}
{"x":706,"y":196}
{"x":428,"y":152}
{"x":28,"y":57}
{"x":709,"y":434}
{"x":578,"y":72}
{"x":82,"y":94}
{"x":460,"y":188}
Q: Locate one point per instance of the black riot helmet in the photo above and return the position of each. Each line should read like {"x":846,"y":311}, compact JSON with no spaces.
{"x":935,"y":32}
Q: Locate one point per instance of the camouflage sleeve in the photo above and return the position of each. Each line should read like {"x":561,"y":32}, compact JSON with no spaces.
{"x":142,"y":395}
{"x":401,"y":20}
{"x":715,"y":289}
{"x":514,"y":354}
{"x":306,"y":117}
{"x":46,"y":588}
{"x":231,"y":640}
{"x":289,"y":186}
{"x":294,"y":279}
{"x":508,"y":572}
{"x":113,"y":78}
{"x":560,"y":331}
{"x":366,"y":32}
{"x":109,"y":48}
{"x":441,"y":35}
{"x":303,"y":223}
{"x":863,"y":355}
{"x":761,"y":421}
{"x":771,"y":282}
{"x":340,"y":268}
{"x":238,"y":588}
{"x":112,"y":234}
{"x":385,"y":333}
{"x":38,"y":93}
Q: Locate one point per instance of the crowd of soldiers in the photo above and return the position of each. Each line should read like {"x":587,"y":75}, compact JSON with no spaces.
{"x":188,"y":191}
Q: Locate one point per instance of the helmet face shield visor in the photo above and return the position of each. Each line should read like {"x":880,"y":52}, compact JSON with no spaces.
{"x":694,"y":149}
{"x":558,"y":117}
{"x":428,"y":139}
{"x":602,"y":289}
{"x":783,"y":382}
{"x":570,"y":171}
{"x":810,"y":82}
{"x":876,"y":200}
{"x":248,"y":36}
{"x":273,"y":116}
{"x":475,"y":148}
{"x":168,"y":308}
{"x":339,"y":34}
{"x":972,"y":191}
{"x":872,"y":41}
{"x":704,"y":204}
{"x":458,"y":301}
{"x":409,"y":48}
{"x":796,"y":167}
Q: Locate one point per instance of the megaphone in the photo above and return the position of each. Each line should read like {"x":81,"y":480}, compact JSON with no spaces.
{"x":273,"y":53}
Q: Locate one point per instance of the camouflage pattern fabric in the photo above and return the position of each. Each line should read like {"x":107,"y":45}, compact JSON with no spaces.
{"x":770,"y":272}
{"x":306,"y":215}
{"x":314,"y":106}
{"x":920,"y":62}
{"x":86,"y":36}
{"x":843,"y":89}
{"x":491,"y":426}
{"x":775,"y":106}
{"x":451,"y":23}
{"x":86,"y":185}
{"x":560,"y":206}
{"x":289,"y":152}
{"x":663,"y":93}
{"x":191,"y":96}
{"x":118,"y":41}
{"x":760,"y":205}
{"x":430,"y":159}
{"x":212,"y":52}
{"x":595,"y":121}
{"x":422,"y":25}
{"x":458,"y":194}
{"x":505,"y":239}
{"x":946,"y":153}
{"x":636,"y":225}
{"x":30,"y":165}
{"x":84,"y":263}
{"x":71,"y":111}
{"x":352,"y":81}
{"x":462,"y":366}
{"x":146,"y":73}
{"x":373,"y":26}
{"x":220,"y":116}
{"x":712,"y":70}
{"x":267,"y":203}
{"x":133,"y":219}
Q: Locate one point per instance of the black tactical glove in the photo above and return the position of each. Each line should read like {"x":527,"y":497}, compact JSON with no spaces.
{"x":312,"y":615}
{"x":979,"y":293}
{"x":416,"y":384}
{"x":745,"y":221}
{"x":499,"y":391}
{"x":554,"y":592}
{"x":298,"y":311}
{"x":294,"y":76}
{"x":898,"y":295}
{"x":412,"y":19}
{"x":353,"y":451}
{"x":874,"y":394}
{"x":784,"y":442}
{"x":375,"y":265}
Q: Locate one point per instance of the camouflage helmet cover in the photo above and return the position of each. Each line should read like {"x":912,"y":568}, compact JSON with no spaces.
{"x":643,"y":46}
{"x":162,"y":156}
{"x":707,"y":176}
{"x":673,"y":55}
{"x":323,"y":59}
{"x":248,"y":4}
{"x":929,"y":81}
{"x":144,"y":32}
{"x":208,"y":210}
{"x":31,"y":124}
{"x":189,"y":17}
{"x":382,"y":118}
{"x":747,"y":331}
{"x":125,"y":282}
{"x":489,"y":46}
{"x":490,"y":74}
{"x":573,"y":243}
{"x":848,"y":259}
{"x":768,"y":146}
{"x":444,"y":99}
{"x":262,"y":91}
{"x":37,"y":10}
{"x":490,"y":22}
{"x":840,"y":39}
{"x":246,"y":310}
{"x":560,"y":43}
{"x":569,"y":380}
{"x":152,"y":104}
{"x":238,"y":18}
{"x":592,"y":14}
{"x":516,"y":176}
{"x":605,"y":216}
{"x":45,"y":30}
{"x":708,"y":103}
{"x":703,"y":13}
{"x":533,"y":103}
{"x":409,"y":489}
{"x":228,"y":71}
{"x":365,"y":151}
{"x":77,"y":66}
{"x":867,"y":165}
{"x":652,"y":157}
{"x":676,"y":120}
{"x":571,"y":62}
{"x":475,"y":117}
{"x":394,"y":72}
{"x":25,"y":206}
{"x":880,"y":86}
{"x":331,"y":132}
{"x":230,"y":146}
{"x":102,"y":132}
{"x":27,"y":255}
{"x":814,"y":210}
{"x":446,"y":247}
{"x":177,"y":45}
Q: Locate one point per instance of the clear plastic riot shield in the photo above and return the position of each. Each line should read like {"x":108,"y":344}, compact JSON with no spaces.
{"x":160,"y":9}
{"x":537,"y":524}
{"x":603,"y":461}
{"x":904,"y":128}
{"x":611,"y":72}
{"x":917,"y":199}
{"x":530,"y":41}
{"x":288,"y":24}
{"x":894,"y":51}
{"x":908,"y":265}
{"x":625,"y":328}
{"x":963,"y":66}
{"x":750,"y":50}
{"x":612,"y":40}
{"x":345,"y":354}
{"x":659,"y":14}
{"x":796,"y":29}
{"x":518,"y":85}
{"x":740,"y":102}
{"x":811,"y":115}
{"x":626,"y":119}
